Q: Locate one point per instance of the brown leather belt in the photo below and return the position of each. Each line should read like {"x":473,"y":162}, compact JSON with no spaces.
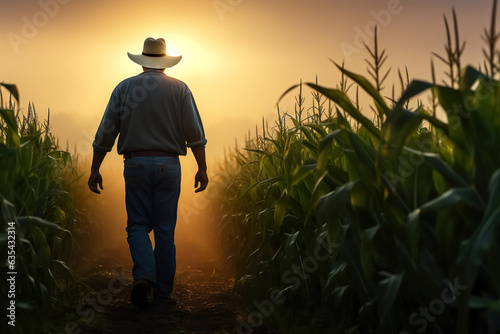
{"x":149,"y":154}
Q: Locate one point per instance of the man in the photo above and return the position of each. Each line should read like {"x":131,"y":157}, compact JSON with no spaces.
{"x":157,"y":119}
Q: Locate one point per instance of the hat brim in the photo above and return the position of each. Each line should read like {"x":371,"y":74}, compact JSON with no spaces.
{"x":155,"y":62}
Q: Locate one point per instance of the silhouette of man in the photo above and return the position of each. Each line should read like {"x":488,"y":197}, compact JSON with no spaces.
{"x":157,"y":119}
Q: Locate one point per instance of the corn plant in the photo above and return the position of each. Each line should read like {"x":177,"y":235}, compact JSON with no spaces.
{"x":35,"y":201}
{"x":378,"y":227}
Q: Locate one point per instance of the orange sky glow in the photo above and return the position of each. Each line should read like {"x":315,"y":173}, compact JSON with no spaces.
{"x":239,"y":56}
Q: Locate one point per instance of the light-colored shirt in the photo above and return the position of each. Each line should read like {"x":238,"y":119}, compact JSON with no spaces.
{"x":150,"y":111}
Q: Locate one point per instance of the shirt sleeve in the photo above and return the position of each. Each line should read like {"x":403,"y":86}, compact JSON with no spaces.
{"x":110,"y":125}
{"x":194,"y":133}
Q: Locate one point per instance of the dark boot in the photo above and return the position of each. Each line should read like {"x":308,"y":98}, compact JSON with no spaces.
{"x":140,"y":293}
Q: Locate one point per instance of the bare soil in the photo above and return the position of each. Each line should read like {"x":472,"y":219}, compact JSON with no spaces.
{"x":203,"y":289}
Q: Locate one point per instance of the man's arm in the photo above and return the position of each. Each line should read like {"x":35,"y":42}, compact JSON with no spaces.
{"x":201,"y":177}
{"x":95,"y":177}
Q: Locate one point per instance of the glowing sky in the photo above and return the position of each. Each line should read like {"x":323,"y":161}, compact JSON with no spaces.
{"x":238,"y":55}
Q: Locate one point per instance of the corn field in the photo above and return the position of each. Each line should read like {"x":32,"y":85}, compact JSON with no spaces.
{"x":39,"y":186}
{"x":337,"y":219}
{"x":341,"y":223}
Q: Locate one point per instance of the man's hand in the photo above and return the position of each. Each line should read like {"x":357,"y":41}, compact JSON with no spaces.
{"x":95,"y":177}
{"x":94,"y":180}
{"x":201,"y":178}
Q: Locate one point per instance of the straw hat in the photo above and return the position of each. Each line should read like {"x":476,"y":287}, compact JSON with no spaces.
{"x":154,"y":55}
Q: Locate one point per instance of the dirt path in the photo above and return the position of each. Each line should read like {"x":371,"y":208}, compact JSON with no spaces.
{"x":203,"y":288}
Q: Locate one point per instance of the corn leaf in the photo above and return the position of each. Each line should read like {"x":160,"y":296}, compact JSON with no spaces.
{"x":345,"y":103}
{"x":398,"y":127}
{"x":469,"y":77}
{"x":472,"y":249}
{"x":12,"y":89}
{"x":368,"y":87}
{"x":455,"y":196}
{"x":12,"y":129}
{"x":436,"y":162}
{"x":389,"y":290}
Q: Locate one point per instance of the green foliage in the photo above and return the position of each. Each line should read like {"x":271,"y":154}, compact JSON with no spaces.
{"x":35,"y":201}
{"x":339,"y":224}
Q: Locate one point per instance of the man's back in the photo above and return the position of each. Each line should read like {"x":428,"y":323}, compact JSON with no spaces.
{"x":153,"y":112}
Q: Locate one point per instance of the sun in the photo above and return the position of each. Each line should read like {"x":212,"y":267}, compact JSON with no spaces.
{"x":173,"y":51}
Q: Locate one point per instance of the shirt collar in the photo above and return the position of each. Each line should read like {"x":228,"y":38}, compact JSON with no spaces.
{"x":154,"y":70}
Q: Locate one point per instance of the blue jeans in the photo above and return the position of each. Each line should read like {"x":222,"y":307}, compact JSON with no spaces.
{"x":152,"y":189}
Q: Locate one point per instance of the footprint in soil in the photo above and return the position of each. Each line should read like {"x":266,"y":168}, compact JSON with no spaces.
{"x":205,"y":301}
